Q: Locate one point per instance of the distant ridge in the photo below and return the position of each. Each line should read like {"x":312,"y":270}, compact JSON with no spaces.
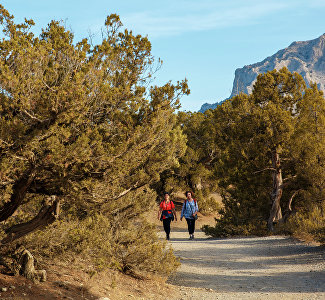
{"x":306,"y":58}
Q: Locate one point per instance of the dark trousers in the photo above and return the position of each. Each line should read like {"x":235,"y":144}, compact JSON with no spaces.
{"x":166,"y":223}
{"x":190,"y":225}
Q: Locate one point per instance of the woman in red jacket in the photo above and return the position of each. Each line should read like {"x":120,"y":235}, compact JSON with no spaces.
{"x":167,"y":213}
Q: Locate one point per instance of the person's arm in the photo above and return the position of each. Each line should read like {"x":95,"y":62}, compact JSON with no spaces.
{"x":159,"y":212}
{"x":174,"y":213}
{"x":196,"y":208}
{"x":173,"y":210}
{"x":182,"y":212}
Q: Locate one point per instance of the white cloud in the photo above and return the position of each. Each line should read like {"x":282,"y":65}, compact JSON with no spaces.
{"x":189,"y":16}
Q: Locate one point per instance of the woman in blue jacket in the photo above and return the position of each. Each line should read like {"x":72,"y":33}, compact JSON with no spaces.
{"x":189,"y":211}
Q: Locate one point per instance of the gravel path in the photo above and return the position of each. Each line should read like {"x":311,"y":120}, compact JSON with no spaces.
{"x":274,"y":267}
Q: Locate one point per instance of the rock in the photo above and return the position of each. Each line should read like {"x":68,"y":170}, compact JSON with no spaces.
{"x":307,"y":58}
{"x":42,"y":275}
{"x":4,"y":289}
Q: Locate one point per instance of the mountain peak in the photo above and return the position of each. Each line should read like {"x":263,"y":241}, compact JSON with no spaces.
{"x":304,"y":57}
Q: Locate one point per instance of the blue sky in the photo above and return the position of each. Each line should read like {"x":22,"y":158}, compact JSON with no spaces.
{"x":203,"y":41}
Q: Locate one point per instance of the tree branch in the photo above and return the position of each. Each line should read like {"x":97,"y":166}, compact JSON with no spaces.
{"x":31,"y":116}
{"x":47,"y":215}
{"x":291,"y":198}
{"x":266,"y":169}
{"x":19,"y":191}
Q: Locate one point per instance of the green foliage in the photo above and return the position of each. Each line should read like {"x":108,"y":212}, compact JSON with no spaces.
{"x":194,"y":170}
{"x":281,"y":115}
{"x":81,"y":122}
{"x":134,"y":250}
{"x":308,"y":226}
{"x":227,"y":229}
{"x":207,"y":204}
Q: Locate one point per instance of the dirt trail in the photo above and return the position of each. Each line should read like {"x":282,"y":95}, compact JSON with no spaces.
{"x":247,"y":268}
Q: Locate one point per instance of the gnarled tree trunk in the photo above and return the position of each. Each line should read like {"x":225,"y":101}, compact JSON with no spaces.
{"x":22,"y":263}
{"x":47,"y":215}
{"x":275,"y":212}
{"x":27,"y":268}
{"x":19,"y":191}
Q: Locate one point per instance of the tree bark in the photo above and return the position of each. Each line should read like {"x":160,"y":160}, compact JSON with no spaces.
{"x":275,"y":212}
{"x":289,"y":211}
{"x":47,"y":215}
{"x":19,"y":191}
{"x":27,"y":268}
{"x":198,"y":184}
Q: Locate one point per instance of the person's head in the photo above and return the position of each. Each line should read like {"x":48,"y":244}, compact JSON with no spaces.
{"x":166,"y":196}
{"x":189,"y":194}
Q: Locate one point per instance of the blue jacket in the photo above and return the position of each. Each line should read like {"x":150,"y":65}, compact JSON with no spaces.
{"x":189,"y":208}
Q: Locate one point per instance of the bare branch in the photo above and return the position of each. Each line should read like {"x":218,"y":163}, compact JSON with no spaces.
{"x":31,"y":116}
{"x":7,"y":144}
{"x":290,"y":178}
{"x":291,"y":198}
{"x":19,"y":157}
{"x":266,"y":169}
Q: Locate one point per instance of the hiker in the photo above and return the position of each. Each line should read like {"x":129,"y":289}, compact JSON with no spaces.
{"x":167,"y":213}
{"x":189,"y":211}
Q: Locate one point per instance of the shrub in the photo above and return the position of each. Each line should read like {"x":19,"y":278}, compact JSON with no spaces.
{"x":207,"y":204}
{"x":309,"y":225}
{"x":228,"y":229}
{"x":134,"y":250}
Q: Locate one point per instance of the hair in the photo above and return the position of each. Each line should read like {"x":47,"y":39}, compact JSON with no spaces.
{"x":166,"y":193}
{"x":189,"y":192}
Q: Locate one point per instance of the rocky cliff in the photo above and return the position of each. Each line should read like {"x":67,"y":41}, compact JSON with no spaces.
{"x":306,"y":58}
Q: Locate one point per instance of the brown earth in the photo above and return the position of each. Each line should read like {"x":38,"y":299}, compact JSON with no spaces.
{"x":65,"y":283}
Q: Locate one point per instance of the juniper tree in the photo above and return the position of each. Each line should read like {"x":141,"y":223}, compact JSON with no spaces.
{"x":194,"y":170}
{"x":80,"y":127}
{"x":261,"y":166}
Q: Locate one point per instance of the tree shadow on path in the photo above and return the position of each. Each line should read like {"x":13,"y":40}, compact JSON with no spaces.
{"x":273,"y":264}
